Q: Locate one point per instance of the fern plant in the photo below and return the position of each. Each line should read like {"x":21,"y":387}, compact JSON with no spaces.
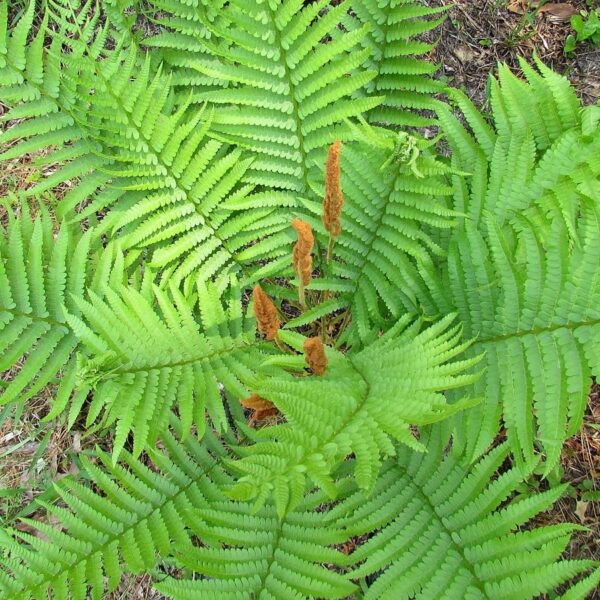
{"x":520,"y":271}
{"x":313,"y":354}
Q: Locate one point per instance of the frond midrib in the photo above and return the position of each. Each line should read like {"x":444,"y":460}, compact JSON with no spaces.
{"x":374,"y":236}
{"x":459,"y":549}
{"x":32,"y":316}
{"x":383,"y":46}
{"x":140,"y":131}
{"x":292,"y":95}
{"x":571,"y":326}
{"x":271,"y":560}
{"x":242,"y":346}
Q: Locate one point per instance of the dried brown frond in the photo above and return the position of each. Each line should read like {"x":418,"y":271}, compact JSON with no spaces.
{"x":260,"y":406}
{"x":302,"y":251}
{"x":256,"y":402}
{"x":267,"y":320}
{"x":314,"y":352}
{"x":333,"y":200}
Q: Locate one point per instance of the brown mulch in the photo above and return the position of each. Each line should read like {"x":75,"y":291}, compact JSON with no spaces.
{"x":581,"y":463}
{"x":480,"y":33}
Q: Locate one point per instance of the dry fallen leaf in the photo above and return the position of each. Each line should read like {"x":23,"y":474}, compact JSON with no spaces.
{"x":580,"y":509}
{"x":464,"y":54}
{"x":559,"y":12}
{"x":517,"y":6}
{"x":77,"y":442}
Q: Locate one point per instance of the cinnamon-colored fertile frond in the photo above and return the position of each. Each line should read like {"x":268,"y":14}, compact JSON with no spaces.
{"x":302,"y":251}
{"x":267,"y":320}
{"x":333,"y":200}
{"x":314,"y":352}
{"x":256,"y":402}
{"x":261,"y":408}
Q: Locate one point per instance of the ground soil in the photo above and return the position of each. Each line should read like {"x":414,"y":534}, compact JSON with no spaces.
{"x":480,"y":33}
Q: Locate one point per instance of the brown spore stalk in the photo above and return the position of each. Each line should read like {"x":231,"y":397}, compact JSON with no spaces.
{"x":314,"y":353}
{"x":302,"y":257}
{"x":267,"y":321}
{"x":333,"y":200}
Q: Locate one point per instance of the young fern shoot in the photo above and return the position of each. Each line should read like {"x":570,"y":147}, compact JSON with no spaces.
{"x":302,"y":257}
{"x":267,"y":320}
{"x":333,"y":200}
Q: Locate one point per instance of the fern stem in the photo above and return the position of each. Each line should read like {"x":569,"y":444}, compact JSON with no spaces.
{"x":330,"y":248}
{"x":325,"y":295}
{"x":283,"y":347}
{"x":344,"y":324}
{"x":323,"y":330}
{"x":301,"y":294}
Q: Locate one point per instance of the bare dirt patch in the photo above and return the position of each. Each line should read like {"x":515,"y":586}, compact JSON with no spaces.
{"x":480,"y":33}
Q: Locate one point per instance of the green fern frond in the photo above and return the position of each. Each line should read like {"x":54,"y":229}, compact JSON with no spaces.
{"x":137,"y":517}
{"x":360,"y":405}
{"x":184,"y":156}
{"x":150,"y":355}
{"x":524,"y":158}
{"x":544,"y":105}
{"x":173,"y":190}
{"x":58,"y":103}
{"x":40,"y":272}
{"x":187,"y":202}
{"x":257,"y":555}
{"x":127,"y":524}
{"x":46,"y":80}
{"x":530,"y":297}
{"x":550,"y":110}
{"x":388,"y":223}
{"x":444,"y":528}
{"x":395,"y":50}
{"x":122,"y":15}
{"x":448,"y":529}
{"x":287,"y":92}
{"x":521,"y":271}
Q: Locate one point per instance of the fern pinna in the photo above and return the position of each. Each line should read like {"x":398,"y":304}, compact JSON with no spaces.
{"x":313,"y":353}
